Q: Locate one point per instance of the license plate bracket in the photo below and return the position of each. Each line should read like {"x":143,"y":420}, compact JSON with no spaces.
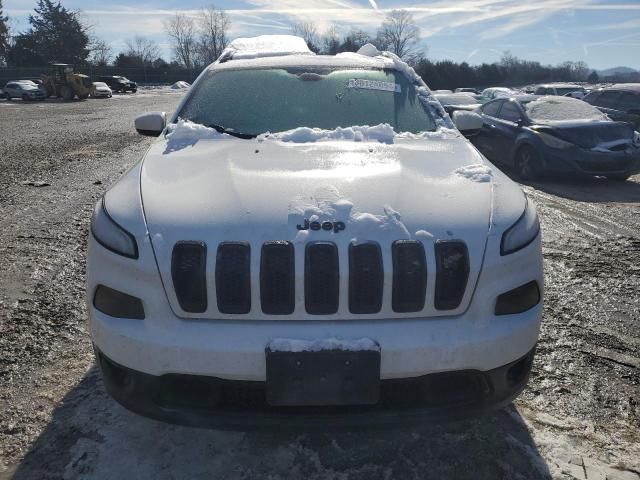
{"x":329,"y":377}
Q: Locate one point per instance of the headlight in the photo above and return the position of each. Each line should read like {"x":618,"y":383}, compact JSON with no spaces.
{"x":111,"y":235}
{"x":521,"y":233}
{"x":554,"y":142}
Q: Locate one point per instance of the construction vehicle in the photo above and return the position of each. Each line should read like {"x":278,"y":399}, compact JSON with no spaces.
{"x":63,"y":82}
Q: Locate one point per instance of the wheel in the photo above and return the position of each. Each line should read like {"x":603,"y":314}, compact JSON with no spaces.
{"x":134,"y":90}
{"x":529,"y":165}
{"x":67,"y":93}
{"x":618,"y":178}
{"x":83,"y":97}
{"x":7,"y":96}
{"x":25,"y":97}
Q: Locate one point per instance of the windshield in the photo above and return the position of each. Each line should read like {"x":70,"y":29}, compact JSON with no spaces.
{"x":255,"y":101}
{"x":458,"y":99}
{"x":100,"y":84}
{"x":558,"y":109}
{"x":563,"y":91}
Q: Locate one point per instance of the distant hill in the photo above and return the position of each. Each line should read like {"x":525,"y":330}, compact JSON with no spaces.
{"x":615,"y":71}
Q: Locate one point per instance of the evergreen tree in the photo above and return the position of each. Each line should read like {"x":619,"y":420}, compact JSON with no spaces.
{"x":4,"y":34}
{"x":56,"y":35}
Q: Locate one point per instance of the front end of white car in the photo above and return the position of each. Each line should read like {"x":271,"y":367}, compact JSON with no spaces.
{"x":264,"y":283}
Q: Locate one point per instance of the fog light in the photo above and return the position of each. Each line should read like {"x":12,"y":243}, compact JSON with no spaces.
{"x":117,"y":304}
{"x":519,"y":299}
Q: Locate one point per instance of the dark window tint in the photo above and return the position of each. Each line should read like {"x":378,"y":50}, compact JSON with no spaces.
{"x":629,"y":101}
{"x":492,"y":108}
{"x":609,"y":99}
{"x":510,"y":112}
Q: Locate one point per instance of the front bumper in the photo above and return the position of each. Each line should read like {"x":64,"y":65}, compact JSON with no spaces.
{"x":589,"y":162}
{"x":210,"y":402}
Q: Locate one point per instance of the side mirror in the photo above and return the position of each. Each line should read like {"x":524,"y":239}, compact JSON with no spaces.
{"x":469,"y":123}
{"x":151,"y":124}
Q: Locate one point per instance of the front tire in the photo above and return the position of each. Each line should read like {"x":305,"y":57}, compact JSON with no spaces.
{"x":529,"y":165}
{"x":67,"y":93}
{"x":25,"y":97}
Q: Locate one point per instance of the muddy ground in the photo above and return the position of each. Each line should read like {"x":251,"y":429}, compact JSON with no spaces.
{"x":579,"y":417}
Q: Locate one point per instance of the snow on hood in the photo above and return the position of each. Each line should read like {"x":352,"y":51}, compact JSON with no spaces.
{"x":265,"y":46}
{"x":476,"y":173}
{"x":560,"y":109}
{"x":186,"y":134}
{"x":382,"y":133}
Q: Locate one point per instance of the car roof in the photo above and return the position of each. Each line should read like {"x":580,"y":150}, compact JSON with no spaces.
{"x":560,"y":85}
{"x":634,"y":87}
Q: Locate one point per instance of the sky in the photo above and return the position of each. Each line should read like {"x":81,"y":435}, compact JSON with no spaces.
{"x":603,"y":33}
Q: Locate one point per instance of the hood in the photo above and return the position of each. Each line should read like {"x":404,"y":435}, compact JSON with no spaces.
{"x":591,"y":134}
{"x":257,"y":191}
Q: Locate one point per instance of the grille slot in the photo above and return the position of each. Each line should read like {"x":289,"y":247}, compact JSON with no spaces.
{"x":452,"y":273}
{"x":366,"y":278}
{"x":277,"y":278}
{"x":321,"y":278}
{"x":409,"y":276}
{"x":233,"y":283}
{"x":188,"y":272}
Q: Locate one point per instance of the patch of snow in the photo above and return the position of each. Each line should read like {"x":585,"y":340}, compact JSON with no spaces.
{"x":558,"y":109}
{"x":265,"y":46}
{"x":181,"y":85}
{"x":476,"y":173}
{"x":185,"y":134}
{"x":368,"y":50}
{"x":294,"y":345}
{"x":423,"y":234}
{"x":381,"y":133}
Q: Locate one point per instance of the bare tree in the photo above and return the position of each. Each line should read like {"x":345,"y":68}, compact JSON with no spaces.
{"x":308,"y":31}
{"x":182,"y":31}
{"x":213,"y":26}
{"x":143,"y":49}
{"x":400,"y":35}
{"x":330,"y":41}
{"x":101,"y":52}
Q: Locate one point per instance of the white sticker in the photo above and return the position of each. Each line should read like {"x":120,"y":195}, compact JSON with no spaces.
{"x":374,"y":85}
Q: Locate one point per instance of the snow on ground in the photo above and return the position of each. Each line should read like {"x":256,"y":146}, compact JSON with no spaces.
{"x":557,"y":109}
{"x":476,"y":173}
{"x":294,"y":345}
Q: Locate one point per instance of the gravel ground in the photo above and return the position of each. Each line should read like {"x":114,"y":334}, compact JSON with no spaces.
{"x":579,"y":417}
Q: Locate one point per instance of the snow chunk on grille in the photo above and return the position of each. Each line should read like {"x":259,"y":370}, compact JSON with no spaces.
{"x":558,"y":109}
{"x":293,"y":345}
{"x":265,"y":46}
{"x":476,"y":173}
{"x":382,"y":133}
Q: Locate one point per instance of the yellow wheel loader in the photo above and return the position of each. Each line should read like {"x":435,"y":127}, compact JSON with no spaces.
{"x":63,"y":82}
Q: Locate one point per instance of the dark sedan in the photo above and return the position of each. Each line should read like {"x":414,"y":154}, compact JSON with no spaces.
{"x":540,"y":135}
{"x":620,"y":102}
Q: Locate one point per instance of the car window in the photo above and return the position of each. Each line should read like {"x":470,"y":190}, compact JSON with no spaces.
{"x":609,"y":99}
{"x":563,"y":91}
{"x":510,"y":112}
{"x":492,"y":108}
{"x":255,"y":101}
{"x":629,"y":101}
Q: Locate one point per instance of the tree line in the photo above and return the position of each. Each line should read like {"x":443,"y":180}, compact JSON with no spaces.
{"x":58,"y":34}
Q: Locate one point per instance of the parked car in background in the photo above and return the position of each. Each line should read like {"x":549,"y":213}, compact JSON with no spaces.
{"x":466,"y":90}
{"x":457,"y":101}
{"x":101,"y":90}
{"x":541,"y":135}
{"x":119,"y":84}
{"x":497,"y":92}
{"x":561,"y":90}
{"x":24,"y":89}
{"x":620,"y":102}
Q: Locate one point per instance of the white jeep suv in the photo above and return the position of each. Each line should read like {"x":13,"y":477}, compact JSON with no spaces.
{"x":310,"y":243}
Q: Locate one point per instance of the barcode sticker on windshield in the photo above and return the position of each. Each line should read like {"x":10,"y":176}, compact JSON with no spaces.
{"x":374,"y":85}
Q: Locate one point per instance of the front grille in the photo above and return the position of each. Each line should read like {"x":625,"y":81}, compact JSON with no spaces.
{"x":366,"y":278}
{"x":233,"y":281}
{"x":452,"y":272}
{"x":409,"y":276}
{"x":277,"y":278}
{"x":188,"y":272}
{"x":321,"y":291}
{"x":321,"y":278}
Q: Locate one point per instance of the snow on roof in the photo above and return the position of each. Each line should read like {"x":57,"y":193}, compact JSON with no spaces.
{"x":265,"y":46}
{"x":558,"y":109}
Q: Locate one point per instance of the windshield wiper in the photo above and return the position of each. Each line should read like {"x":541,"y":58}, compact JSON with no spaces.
{"x":221,"y":129}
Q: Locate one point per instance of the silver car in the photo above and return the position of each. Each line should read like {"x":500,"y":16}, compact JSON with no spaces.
{"x":26,"y":90}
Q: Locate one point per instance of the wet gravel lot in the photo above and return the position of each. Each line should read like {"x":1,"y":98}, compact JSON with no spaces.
{"x":579,"y":417}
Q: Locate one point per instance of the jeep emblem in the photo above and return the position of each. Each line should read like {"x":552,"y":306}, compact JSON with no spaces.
{"x":326,"y":226}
